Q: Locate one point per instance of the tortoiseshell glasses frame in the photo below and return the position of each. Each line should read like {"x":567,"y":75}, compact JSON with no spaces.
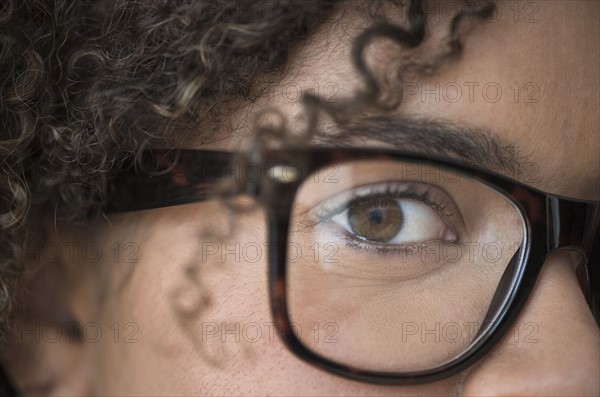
{"x":553,"y":223}
{"x":165,"y":178}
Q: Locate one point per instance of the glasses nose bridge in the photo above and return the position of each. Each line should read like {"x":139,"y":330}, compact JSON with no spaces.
{"x":572,"y":225}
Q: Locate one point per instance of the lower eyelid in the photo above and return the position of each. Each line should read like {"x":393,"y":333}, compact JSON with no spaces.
{"x":405,"y":255}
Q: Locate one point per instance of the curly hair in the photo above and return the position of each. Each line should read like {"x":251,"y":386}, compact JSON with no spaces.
{"x":87,"y":85}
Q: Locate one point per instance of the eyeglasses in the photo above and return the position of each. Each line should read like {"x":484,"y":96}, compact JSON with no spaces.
{"x":410,"y":266}
{"x":418,"y":264}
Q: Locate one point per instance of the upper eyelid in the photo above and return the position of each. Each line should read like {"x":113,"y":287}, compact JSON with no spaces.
{"x":352,"y":194}
{"x":378,"y":189}
{"x":454,"y":220}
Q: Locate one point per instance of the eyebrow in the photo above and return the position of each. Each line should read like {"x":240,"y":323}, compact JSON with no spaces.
{"x":473,"y":145}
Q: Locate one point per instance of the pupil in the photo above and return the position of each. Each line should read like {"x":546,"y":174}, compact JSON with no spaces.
{"x":375,"y":216}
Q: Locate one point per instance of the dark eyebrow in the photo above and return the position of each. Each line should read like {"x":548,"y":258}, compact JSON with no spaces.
{"x":475,"y":146}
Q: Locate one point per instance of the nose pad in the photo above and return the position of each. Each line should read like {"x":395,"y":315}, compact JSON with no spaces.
{"x":579,"y":262}
{"x":580,"y":266}
{"x":592,"y":270}
{"x":573,"y":226}
{"x":588,"y":276}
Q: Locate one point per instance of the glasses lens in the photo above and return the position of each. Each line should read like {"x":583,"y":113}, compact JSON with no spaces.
{"x":398,"y":266}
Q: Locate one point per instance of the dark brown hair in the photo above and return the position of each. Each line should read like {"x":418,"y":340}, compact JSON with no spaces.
{"x":86,"y":85}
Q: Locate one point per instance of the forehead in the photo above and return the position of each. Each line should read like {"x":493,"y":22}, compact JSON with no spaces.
{"x":530,"y":75}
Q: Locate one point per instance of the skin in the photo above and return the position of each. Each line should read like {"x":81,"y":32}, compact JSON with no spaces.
{"x":168,"y":307}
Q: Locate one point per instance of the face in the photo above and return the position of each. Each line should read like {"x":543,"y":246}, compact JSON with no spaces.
{"x":177,"y":303}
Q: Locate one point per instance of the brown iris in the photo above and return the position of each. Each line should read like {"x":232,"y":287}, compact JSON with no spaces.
{"x":378,"y":219}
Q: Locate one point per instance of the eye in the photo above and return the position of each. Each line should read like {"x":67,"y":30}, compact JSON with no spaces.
{"x":394,"y":221}
{"x":392,"y":214}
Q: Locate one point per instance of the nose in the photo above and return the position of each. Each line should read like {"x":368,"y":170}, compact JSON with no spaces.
{"x":552,"y":349}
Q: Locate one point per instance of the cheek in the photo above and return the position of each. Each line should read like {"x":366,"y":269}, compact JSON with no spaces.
{"x":198,"y":304}
{"x":195,"y":303}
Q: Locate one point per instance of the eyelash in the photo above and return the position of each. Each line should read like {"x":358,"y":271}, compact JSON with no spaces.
{"x":389,"y":190}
